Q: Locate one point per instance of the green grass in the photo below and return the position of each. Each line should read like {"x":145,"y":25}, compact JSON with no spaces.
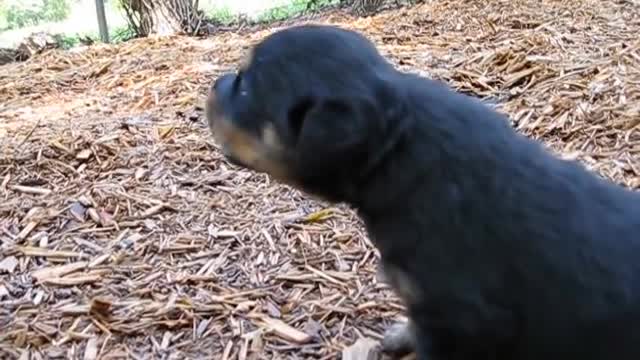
{"x":296,"y":7}
{"x":116,"y":35}
{"x":222,"y":15}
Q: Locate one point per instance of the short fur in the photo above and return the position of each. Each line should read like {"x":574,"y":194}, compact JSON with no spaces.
{"x":499,"y":249}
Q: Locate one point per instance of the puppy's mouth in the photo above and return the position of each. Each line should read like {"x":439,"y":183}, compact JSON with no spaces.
{"x":232,"y":159}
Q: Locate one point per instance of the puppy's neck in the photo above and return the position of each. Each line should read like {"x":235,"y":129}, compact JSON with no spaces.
{"x":375,"y":184}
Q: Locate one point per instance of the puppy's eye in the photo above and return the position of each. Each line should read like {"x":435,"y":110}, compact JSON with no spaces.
{"x":236,"y":81}
{"x":237,"y":84}
{"x":297,"y":114}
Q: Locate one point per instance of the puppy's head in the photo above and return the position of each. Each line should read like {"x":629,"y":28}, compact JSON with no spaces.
{"x":311,"y":107}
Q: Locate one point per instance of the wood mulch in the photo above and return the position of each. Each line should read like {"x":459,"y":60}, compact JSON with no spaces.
{"x":125,"y":235}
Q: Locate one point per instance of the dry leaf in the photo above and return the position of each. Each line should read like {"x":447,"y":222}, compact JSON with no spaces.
{"x":319,"y":215}
{"x":101,"y":306}
{"x":165,"y":131}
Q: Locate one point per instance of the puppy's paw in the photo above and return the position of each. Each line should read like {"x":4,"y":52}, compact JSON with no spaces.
{"x":381,"y":277}
{"x":399,"y":339}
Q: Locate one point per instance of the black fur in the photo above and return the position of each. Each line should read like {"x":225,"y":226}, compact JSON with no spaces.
{"x":499,"y":249}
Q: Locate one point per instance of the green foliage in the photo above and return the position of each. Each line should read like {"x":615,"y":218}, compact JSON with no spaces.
{"x":55,"y":10}
{"x":66,"y":41}
{"x":116,"y":5}
{"x":4,"y":24}
{"x":225,"y":16}
{"x":318,"y":4}
{"x":16,"y":14}
{"x":117,"y":35}
{"x":222,"y":15}
{"x":295,"y":7}
{"x":122,"y":34}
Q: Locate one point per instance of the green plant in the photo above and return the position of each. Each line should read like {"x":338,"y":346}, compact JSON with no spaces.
{"x":222,"y":15}
{"x":21,"y":14}
{"x":317,"y":4}
{"x":66,"y":41}
{"x":17,"y":14}
{"x":55,"y":10}
{"x":117,"y":35}
{"x":282,"y":12}
{"x":295,"y":7}
{"x":116,"y":5}
{"x":122,"y":34}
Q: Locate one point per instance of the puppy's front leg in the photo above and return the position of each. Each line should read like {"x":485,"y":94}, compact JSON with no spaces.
{"x":399,"y":339}
{"x":404,"y":338}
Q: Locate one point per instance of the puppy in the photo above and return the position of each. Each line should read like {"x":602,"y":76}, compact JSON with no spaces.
{"x":499,"y":249}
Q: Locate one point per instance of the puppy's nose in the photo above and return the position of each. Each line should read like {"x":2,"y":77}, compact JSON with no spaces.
{"x":223,"y":83}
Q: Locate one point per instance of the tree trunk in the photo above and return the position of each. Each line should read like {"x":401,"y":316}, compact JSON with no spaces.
{"x":163,"y":17}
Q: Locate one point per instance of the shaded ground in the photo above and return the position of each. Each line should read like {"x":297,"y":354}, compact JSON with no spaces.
{"x":125,"y":235}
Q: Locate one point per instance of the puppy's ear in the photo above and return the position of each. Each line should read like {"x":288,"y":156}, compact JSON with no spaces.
{"x":334,"y":134}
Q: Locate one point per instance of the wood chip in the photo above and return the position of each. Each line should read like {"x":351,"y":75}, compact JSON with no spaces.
{"x":26,"y":230}
{"x":285,"y":331}
{"x":91,"y":349}
{"x":8,"y":264}
{"x":78,"y":211}
{"x":101,"y":306}
{"x":36,"y":251}
{"x":126,"y":234}
{"x":30,"y":190}
{"x":362,"y":349}
{"x":72,"y":281}
{"x":3,"y":291}
{"x":58,"y":271}
{"x":84,"y":154}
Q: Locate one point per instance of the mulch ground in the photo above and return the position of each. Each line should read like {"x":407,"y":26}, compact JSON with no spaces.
{"x":125,"y":235}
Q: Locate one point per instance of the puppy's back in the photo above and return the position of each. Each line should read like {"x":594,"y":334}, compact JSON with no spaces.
{"x":481,"y":211}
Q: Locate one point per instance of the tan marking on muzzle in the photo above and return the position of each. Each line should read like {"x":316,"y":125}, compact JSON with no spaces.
{"x":261,"y":153}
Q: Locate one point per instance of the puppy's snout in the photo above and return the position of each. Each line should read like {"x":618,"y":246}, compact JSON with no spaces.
{"x":223,"y":83}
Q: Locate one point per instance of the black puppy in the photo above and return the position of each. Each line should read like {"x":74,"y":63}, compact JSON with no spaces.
{"x":499,"y":249}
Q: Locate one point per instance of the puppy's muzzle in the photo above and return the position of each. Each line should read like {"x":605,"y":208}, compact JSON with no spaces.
{"x":230,"y":158}
{"x":224,"y":84}
{"x":221,"y":89}
{"x":218,"y":94}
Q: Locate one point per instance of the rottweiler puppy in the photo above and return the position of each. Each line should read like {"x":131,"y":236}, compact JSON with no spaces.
{"x":499,"y":249}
